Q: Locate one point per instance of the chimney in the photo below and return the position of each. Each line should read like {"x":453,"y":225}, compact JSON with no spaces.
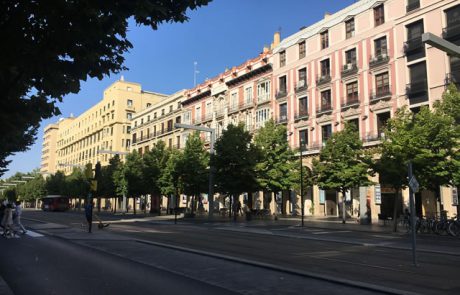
{"x":266,"y":49}
{"x":326,"y":15}
{"x":276,"y":39}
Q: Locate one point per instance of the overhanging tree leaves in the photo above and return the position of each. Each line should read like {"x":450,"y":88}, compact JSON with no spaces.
{"x":170,"y":179}
{"x":235,"y":160}
{"x":342,"y":164}
{"x":49,"y":47}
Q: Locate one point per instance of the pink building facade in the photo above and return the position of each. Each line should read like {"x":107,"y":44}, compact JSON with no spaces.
{"x":358,"y":65}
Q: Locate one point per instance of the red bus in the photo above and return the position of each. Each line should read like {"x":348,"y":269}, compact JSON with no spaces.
{"x":55,"y":203}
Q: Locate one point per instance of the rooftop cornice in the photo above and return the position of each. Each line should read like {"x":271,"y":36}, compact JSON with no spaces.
{"x":331,"y":21}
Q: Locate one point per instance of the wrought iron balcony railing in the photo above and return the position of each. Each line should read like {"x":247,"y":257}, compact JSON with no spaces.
{"x":382,"y":92}
{"x":349,"y":69}
{"x":379,"y":60}
{"x":413,"y":45}
{"x":323,"y":79}
{"x":301,"y":86}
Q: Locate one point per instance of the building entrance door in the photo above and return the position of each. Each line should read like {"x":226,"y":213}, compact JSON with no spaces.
{"x":331,"y":203}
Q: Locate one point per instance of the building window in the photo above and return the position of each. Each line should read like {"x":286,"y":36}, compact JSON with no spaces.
{"x":283,"y":84}
{"x":382,"y":84}
{"x":263,"y":91}
{"x":326,"y":100}
{"x":187,"y":117}
{"x":129,"y":103}
{"x":352,"y":92}
{"x":248,"y":95}
{"x":170,"y":125}
{"x":350,"y":28}
{"x":324,"y":39}
{"x":350,"y":57}
{"x":303,"y":137}
{"x":198,"y":114}
{"x":155,"y":115}
{"x":234,"y":100}
{"x":149,"y":104}
{"x":282,"y":58}
{"x":262,"y":116}
{"x":326,"y":133}
{"x":412,"y":5}
{"x":380,"y":47}
{"x":302,"y":51}
{"x":148,"y":118}
{"x":283,"y":112}
{"x":128,"y":129}
{"x":162,"y":112}
{"x":170,"y":109}
{"x":417,"y":90}
{"x":129,"y":116}
{"x":303,"y":106}
{"x":382,"y":120}
{"x":302,"y":83}
{"x":325,"y":68}
{"x":379,"y":15}
{"x":414,"y":47}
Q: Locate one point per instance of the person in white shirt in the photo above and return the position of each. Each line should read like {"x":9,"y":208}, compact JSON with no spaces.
{"x":17,"y":219}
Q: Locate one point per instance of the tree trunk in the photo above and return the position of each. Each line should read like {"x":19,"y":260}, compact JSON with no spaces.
{"x":98,"y":204}
{"x":344,"y":209}
{"x":230,"y":207}
{"x":437,"y":194}
{"x":134,"y":204}
{"x":115,"y":205}
{"x":395,"y":211}
{"x":235,"y":212}
{"x":79,"y":204}
{"x":193,"y":204}
{"x":250,"y":200}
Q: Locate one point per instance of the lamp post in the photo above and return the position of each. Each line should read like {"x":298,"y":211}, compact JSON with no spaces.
{"x":301,"y":181}
{"x":212,"y":132}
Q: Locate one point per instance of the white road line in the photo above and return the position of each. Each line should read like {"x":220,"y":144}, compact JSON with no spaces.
{"x":330,"y":232}
{"x":34,"y":234}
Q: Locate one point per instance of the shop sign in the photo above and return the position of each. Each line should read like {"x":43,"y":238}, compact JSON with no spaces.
{"x":377,"y":194}
{"x":322,"y":196}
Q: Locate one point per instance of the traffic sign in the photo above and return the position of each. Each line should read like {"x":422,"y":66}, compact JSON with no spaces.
{"x":414,"y":185}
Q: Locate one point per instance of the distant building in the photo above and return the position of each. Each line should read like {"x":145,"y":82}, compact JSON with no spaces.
{"x":98,"y":133}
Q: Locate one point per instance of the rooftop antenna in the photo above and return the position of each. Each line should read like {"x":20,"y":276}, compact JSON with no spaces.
{"x":195,"y":72}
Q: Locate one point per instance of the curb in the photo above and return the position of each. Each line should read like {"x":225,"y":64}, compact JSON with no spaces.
{"x":355,"y":284}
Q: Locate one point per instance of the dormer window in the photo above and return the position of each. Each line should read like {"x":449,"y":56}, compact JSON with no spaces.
{"x":301,"y":49}
{"x":350,"y":28}
{"x":282,"y":58}
{"x":379,"y":15}
{"x":324,"y":39}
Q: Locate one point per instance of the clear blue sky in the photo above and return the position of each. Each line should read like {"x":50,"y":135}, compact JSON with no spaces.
{"x":223,"y":34}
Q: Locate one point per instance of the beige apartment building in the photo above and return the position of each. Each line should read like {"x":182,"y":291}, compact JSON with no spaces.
{"x":98,"y":133}
{"x":156,"y":123}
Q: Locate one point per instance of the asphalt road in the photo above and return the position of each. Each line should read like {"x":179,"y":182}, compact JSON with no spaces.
{"x":376,"y":259}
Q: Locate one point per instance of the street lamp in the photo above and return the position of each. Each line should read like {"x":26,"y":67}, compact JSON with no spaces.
{"x":301,"y":180}
{"x":212,"y":132}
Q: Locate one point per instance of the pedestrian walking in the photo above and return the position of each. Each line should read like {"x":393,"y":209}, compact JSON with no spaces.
{"x":239,"y":208}
{"x":89,"y":214}
{"x":17,"y":217}
{"x":7,"y":221}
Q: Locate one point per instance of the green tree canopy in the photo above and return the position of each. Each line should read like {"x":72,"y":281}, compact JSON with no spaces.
{"x":56,"y":184}
{"x":234,"y":162}
{"x":342,"y":164}
{"x":48,"y":47}
{"x":276,"y":170}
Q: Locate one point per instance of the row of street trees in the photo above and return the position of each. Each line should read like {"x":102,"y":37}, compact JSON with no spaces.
{"x":244,"y":164}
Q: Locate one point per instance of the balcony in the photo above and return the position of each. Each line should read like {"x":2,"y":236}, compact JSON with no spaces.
{"x":324,"y":109}
{"x":451,"y":32}
{"x":281,"y":93}
{"x":371,"y":137}
{"x":323,"y":79}
{"x":301,"y":86}
{"x":351,"y":101}
{"x":233,"y":108}
{"x":302,"y":114}
{"x":413,"y":45}
{"x":382,"y":93}
{"x":412,"y":6}
{"x":220,"y":112}
{"x":416,"y":87}
{"x":349,"y":69}
{"x":246,"y":105}
{"x":263,"y":98}
{"x":207,"y":116}
{"x":379,"y":60}
{"x":282,"y":119}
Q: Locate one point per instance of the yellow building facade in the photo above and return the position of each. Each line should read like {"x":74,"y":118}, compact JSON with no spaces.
{"x":98,"y":133}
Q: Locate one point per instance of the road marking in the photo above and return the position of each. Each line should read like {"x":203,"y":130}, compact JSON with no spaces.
{"x":33,"y":234}
{"x":330,"y":232}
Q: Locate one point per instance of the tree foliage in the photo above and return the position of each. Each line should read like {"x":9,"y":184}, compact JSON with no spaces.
{"x":49,"y":47}
{"x":276,"y":170}
{"x":342,"y":163}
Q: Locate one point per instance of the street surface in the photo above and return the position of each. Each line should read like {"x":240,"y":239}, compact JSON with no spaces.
{"x":153,"y":255}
